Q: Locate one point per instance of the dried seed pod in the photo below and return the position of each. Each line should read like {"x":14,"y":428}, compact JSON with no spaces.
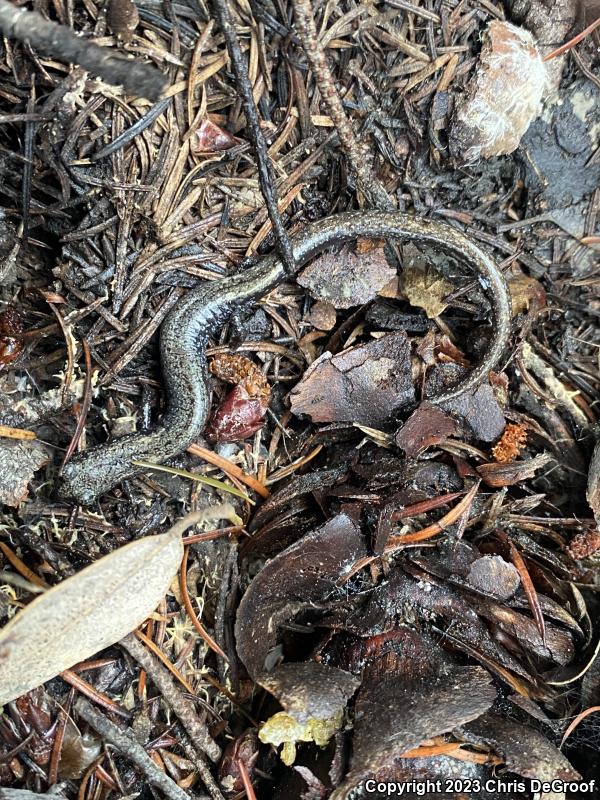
{"x":503,"y":98}
{"x":122,"y":17}
{"x":243,"y":411}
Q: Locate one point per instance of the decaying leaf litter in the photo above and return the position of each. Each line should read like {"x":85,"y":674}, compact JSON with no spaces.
{"x":396,"y":590}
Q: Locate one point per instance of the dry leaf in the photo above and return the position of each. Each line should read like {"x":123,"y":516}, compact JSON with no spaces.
{"x":366,"y":384}
{"x":18,"y":463}
{"x":426,"y":288}
{"x":87,"y":612}
{"x":348,"y":278}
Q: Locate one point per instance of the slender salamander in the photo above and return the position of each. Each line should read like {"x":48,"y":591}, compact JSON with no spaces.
{"x":185,"y":332}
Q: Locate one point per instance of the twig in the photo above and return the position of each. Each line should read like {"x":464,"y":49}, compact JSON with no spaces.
{"x":77,"y":682}
{"x":131,"y":749}
{"x":265,"y":167}
{"x":572,"y":42}
{"x":357,"y":157}
{"x":85,"y":404}
{"x":182,"y":707}
{"x":59,"y":41}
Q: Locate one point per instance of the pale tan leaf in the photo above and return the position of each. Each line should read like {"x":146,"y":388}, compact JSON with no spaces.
{"x":88,"y":612}
{"x":426,"y":288}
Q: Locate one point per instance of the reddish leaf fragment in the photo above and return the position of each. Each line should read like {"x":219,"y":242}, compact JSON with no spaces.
{"x":238,"y":417}
{"x":426,"y":426}
{"x":365,"y":384}
{"x":210,"y":138}
{"x":11,"y":328}
{"x":528,"y":587}
{"x":347,"y":278}
{"x":243,"y":410}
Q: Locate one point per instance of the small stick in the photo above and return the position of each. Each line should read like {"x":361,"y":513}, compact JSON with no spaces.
{"x":184,"y":709}
{"x":59,"y":41}
{"x":372,"y":189}
{"x":259,"y":144}
{"x":131,"y":749}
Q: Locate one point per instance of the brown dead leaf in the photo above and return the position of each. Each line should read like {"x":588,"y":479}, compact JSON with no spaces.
{"x":426,"y":426}
{"x":426,"y":288}
{"x":18,"y":463}
{"x":365,"y":384}
{"x":299,"y":577}
{"x":347,"y":278}
{"x":322,"y":316}
{"x":479,"y":408}
{"x":87,"y":612}
{"x":394,"y":714}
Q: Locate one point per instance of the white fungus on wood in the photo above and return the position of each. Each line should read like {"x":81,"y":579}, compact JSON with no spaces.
{"x":503,"y":97}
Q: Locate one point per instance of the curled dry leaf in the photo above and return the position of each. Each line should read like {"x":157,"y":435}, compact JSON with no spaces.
{"x":497,"y":474}
{"x":365,"y":384}
{"x":19,"y":460}
{"x":503,"y":98}
{"x":347,"y":278}
{"x":396,"y":713}
{"x":314,"y":698}
{"x":299,"y":577}
{"x":88,"y":611}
